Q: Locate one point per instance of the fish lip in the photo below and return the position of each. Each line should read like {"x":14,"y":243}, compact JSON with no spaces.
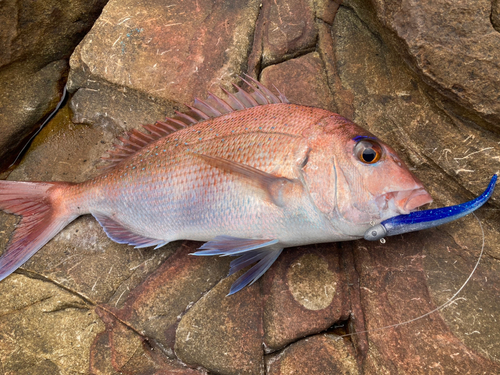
{"x":403,"y":202}
{"x":409,"y":200}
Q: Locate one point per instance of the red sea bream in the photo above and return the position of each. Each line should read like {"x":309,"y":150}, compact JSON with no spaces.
{"x":251,"y":174}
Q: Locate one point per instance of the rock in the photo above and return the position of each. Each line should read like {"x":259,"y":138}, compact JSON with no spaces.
{"x":35,"y":41}
{"x":470,"y":319}
{"x":394,"y":290}
{"x":182,"y":281}
{"x":326,"y":9}
{"x":305,"y":293}
{"x":39,"y":33}
{"x":172,"y":52}
{"x":450,"y":45}
{"x":223,"y":334}
{"x":120,"y":350}
{"x":44,"y":328}
{"x":116,"y":111}
{"x":495,"y":14}
{"x":318,"y":355}
{"x":289,"y":30}
{"x":292,"y":75}
{"x":26,"y":98}
{"x":76,"y":148}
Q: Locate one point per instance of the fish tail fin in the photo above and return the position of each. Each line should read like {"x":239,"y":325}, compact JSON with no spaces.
{"x":43,"y":216}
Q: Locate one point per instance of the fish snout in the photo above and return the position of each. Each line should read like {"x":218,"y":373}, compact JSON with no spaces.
{"x":408,"y":200}
{"x":402,"y":202}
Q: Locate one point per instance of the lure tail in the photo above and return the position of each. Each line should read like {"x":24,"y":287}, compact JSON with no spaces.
{"x":43,"y":216}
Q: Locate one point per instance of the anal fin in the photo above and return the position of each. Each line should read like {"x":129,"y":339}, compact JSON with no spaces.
{"x":118,"y":233}
{"x":262,"y":252}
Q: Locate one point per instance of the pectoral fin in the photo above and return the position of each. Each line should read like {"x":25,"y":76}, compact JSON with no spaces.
{"x":262,"y":252}
{"x":277,"y":188}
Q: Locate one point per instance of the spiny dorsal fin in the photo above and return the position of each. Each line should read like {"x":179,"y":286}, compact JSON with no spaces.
{"x":201,"y":110}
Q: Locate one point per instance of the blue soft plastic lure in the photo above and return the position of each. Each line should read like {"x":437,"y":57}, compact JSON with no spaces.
{"x":420,"y":220}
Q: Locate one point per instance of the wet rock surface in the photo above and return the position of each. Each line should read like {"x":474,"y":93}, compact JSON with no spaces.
{"x":36,"y":41}
{"x":26,"y":98}
{"x":84,"y":304}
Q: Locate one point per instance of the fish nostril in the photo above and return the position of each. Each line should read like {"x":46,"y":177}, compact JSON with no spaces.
{"x":397,"y":161}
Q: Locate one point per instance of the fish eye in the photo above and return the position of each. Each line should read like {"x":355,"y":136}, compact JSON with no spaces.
{"x":368,"y":151}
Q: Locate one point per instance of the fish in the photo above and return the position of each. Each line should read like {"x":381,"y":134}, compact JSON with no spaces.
{"x":249,"y":175}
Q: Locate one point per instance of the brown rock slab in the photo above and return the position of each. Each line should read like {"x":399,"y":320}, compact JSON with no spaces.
{"x":289,"y":29}
{"x":27,"y":96}
{"x":169,"y":51}
{"x":318,"y":355}
{"x":450,"y":44}
{"x":114,"y":110}
{"x":41,"y":32}
{"x":44,"y":328}
{"x":326,"y":9}
{"x":305,"y":293}
{"x":495,"y":14}
{"x":302,"y":80}
{"x":311,"y":282}
{"x":472,"y":318}
{"x":394,"y":290}
{"x":36,"y":39}
{"x":182,"y":280}
{"x":223,"y":334}
{"x":120,"y":350}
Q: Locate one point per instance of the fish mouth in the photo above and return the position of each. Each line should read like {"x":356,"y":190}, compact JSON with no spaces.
{"x":409,"y":201}
{"x":402,"y":202}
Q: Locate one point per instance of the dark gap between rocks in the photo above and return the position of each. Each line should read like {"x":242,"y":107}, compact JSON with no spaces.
{"x":495,"y":14}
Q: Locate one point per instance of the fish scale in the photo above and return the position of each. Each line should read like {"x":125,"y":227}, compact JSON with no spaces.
{"x":251,"y":174}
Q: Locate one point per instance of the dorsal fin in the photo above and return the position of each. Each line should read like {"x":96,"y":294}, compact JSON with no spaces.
{"x":201,"y":110}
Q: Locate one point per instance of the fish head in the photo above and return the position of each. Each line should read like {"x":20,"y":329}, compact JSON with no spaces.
{"x":356,"y":179}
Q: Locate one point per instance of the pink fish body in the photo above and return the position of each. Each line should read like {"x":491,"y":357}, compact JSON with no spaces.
{"x":249,"y":178}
